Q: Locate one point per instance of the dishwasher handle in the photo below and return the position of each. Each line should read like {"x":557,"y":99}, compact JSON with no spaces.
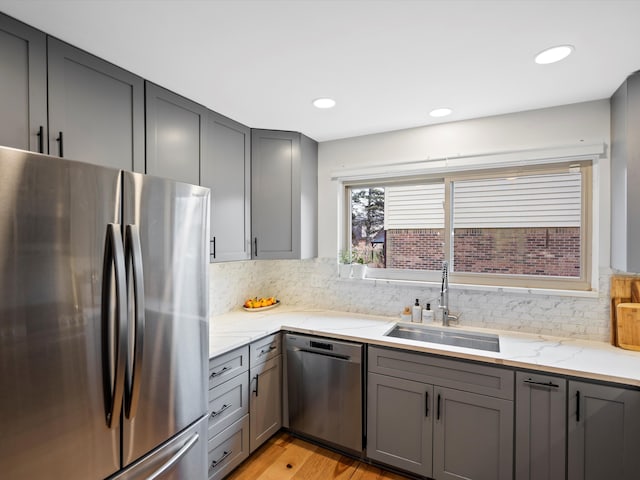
{"x":340,"y":350}
{"x":335,"y":356}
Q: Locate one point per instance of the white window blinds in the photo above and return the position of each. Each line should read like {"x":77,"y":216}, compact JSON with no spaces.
{"x":547,"y":200}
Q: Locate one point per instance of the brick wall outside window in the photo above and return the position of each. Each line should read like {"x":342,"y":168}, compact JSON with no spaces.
{"x":417,"y":249}
{"x":523,"y":251}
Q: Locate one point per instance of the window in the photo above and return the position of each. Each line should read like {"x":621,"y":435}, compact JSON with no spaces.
{"x":528,"y":228}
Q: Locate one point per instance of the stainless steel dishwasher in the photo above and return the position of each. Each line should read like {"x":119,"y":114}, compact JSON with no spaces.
{"x":324,"y":380}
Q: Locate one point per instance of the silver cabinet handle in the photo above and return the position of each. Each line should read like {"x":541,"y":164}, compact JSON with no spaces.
{"x":113,"y":263}
{"x":173,"y":460}
{"x":222,"y":409}
{"x":219,"y":372}
{"x":541,"y":384}
{"x":215,"y":463}
{"x":257,"y":378}
{"x":270,"y":349}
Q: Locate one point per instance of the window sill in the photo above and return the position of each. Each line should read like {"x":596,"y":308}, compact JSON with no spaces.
{"x":476,"y":288}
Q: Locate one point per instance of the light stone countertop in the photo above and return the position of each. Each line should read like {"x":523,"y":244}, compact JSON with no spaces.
{"x":580,"y":358}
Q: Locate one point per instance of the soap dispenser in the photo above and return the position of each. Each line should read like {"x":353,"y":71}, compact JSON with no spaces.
{"x":416,"y":312}
{"x":427,"y":314}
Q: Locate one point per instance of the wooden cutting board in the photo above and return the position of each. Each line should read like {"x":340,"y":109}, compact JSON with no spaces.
{"x":624,"y":289}
{"x":628,"y":325}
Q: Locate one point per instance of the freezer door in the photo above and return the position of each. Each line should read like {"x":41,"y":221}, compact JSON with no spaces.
{"x":169,"y":345}
{"x":182,"y":458}
{"x":53,"y":220}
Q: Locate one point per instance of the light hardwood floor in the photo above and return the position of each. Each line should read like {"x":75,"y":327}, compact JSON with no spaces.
{"x":284,"y":457}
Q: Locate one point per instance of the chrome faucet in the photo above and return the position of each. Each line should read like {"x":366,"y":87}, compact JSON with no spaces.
{"x":447,"y":316}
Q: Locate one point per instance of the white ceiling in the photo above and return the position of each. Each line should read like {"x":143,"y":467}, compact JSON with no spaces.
{"x":387,"y":63}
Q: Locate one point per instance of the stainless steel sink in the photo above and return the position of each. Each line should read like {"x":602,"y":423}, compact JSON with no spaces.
{"x":446,"y":336}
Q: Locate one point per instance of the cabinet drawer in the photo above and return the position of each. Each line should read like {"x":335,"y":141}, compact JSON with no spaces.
{"x":228,"y":449}
{"x":228,"y":365}
{"x":470,"y":377}
{"x":228,"y":403}
{"x":265,"y":349}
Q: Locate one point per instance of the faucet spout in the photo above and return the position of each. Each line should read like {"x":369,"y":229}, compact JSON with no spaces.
{"x":444,"y":294}
{"x":447,"y":316}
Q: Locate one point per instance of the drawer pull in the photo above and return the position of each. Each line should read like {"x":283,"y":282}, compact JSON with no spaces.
{"x":269,"y":350}
{"x":222,"y":409}
{"x":541,"y":384}
{"x":218,"y":373}
{"x":215,"y":463}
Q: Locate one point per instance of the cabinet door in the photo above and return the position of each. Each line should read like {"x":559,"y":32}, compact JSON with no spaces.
{"x":472,"y":437}
{"x":175,"y":135}
{"x":540,"y":427}
{"x":23,"y":92}
{"x":265,"y":404}
{"x":226,"y":170}
{"x":604,"y":432}
{"x":399,"y":423}
{"x":275,"y":190}
{"x":96,"y":110}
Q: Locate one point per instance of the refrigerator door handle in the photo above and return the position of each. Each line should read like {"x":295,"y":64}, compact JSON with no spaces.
{"x":174,"y":459}
{"x":133,"y":255}
{"x":114,"y":336}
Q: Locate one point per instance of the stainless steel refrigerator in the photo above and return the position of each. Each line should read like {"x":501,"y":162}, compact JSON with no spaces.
{"x":103,"y":322}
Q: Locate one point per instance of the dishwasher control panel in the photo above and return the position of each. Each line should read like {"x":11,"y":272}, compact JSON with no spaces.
{"x":322,"y":345}
{"x":336,"y":348}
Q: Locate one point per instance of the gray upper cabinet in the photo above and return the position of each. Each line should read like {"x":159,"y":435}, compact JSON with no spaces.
{"x":540,"y":427}
{"x":625,"y":176}
{"x":96,"y":109}
{"x":175,"y":135}
{"x":23,"y":81}
{"x":603,"y":431}
{"x":226,"y":170}
{"x":284,"y":189}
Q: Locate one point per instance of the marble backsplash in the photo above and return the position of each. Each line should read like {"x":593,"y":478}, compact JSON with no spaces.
{"x":315,"y":283}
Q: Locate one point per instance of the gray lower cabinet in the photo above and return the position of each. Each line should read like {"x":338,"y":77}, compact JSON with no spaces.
{"x":228,"y":428}
{"x":472,"y":436}
{"x":541,"y":421}
{"x":226,"y":169}
{"x":228,"y":449}
{"x":23,"y":92}
{"x":228,"y":403}
{"x":175,"y":129}
{"x":449,"y":419}
{"x":265,"y":400}
{"x":603,"y":432}
{"x":284,"y":190}
{"x":96,"y":109}
{"x":400,"y":423}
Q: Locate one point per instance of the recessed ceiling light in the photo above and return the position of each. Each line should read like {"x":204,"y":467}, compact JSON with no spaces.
{"x":440,"y":112}
{"x":554,"y":54}
{"x":324,"y":103}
